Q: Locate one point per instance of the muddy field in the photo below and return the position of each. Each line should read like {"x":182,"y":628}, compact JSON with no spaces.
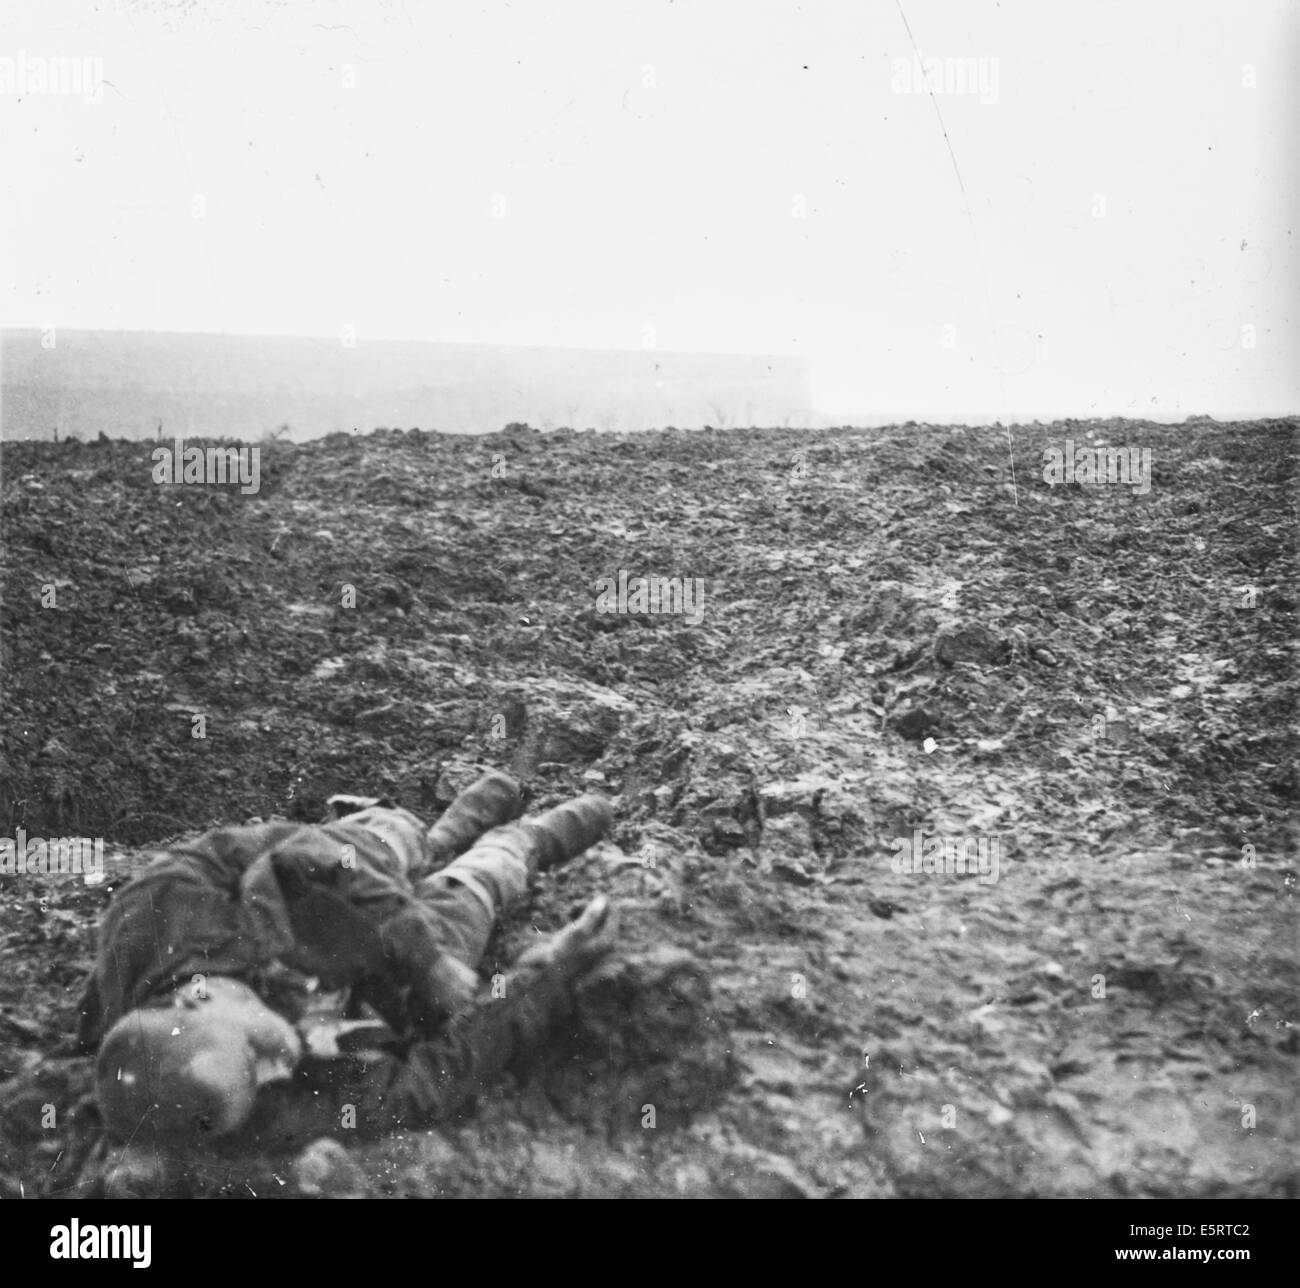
{"x":901,"y":631}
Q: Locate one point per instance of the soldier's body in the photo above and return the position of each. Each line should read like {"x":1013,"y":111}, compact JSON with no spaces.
{"x":213,"y":961}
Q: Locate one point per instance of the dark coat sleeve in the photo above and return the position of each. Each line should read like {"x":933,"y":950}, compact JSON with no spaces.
{"x":498,"y":1035}
{"x":333,"y":902}
{"x":428,"y":1082}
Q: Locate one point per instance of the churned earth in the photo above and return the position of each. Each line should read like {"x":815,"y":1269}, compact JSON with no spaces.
{"x":904,"y":638}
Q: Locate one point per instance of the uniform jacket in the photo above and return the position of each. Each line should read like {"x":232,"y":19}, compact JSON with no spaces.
{"x":271,"y":904}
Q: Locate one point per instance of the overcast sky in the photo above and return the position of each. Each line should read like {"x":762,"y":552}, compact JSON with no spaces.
{"x":701,"y":176}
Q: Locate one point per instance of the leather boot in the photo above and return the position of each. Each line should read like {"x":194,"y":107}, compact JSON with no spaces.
{"x":491,"y":801}
{"x":564,"y":832}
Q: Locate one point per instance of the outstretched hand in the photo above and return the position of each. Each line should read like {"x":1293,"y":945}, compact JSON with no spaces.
{"x":580,"y":945}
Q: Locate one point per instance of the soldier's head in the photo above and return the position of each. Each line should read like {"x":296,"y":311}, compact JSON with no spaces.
{"x":191,"y":1068}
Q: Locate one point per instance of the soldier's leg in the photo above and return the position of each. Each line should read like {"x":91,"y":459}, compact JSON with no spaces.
{"x":472,"y":892}
{"x":491,"y":801}
{"x":413,"y":850}
{"x":406,"y":853}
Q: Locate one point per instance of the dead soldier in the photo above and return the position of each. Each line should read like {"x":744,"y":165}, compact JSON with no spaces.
{"x":265,"y":972}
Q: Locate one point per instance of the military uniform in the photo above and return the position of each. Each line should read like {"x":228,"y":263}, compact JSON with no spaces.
{"x":372,"y":906}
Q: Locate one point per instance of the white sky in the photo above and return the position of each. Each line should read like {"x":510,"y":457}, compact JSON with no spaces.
{"x":650,"y":157}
